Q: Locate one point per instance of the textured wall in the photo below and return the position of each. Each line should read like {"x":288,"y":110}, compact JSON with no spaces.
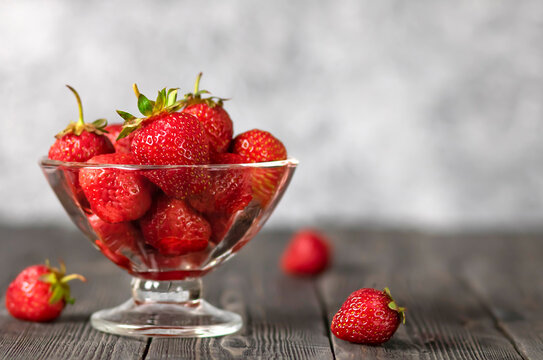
{"x":423,"y":113}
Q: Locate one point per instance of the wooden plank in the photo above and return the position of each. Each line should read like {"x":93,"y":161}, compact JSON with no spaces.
{"x":467,"y":297}
{"x":444,"y":319}
{"x":282,"y":316}
{"x":507,"y":275}
{"x":71,"y":336}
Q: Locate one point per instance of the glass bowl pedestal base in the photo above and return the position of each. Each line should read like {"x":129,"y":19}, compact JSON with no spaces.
{"x":166,"y":308}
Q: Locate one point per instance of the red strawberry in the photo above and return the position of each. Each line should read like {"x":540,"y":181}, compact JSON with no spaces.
{"x":115,"y":195}
{"x":155,"y":260}
{"x":260,"y":146}
{"x":229,"y":190}
{"x":215,"y":120}
{"x":116,"y":236}
{"x":121,"y":145}
{"x":39,"y":293}
{"x":220,"y":224}
{"x":80,"y":141}
{"x":308,"y":253}
{"x":173,"y":228}
{"x":116,"y":241}
{"x":368,"y":316}
{"x":116,"y":257}
{"x":165,"y":137}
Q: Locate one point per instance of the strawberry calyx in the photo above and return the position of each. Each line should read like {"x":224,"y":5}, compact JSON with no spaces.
{"x":393,"y":306}
{"x":57,"y":278}
{"x":77,"y":127}
{"x":196,"y":96}
{"x":166,"y":102}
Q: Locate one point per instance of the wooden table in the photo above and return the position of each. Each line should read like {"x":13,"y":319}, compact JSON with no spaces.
{"x":468,"y":297}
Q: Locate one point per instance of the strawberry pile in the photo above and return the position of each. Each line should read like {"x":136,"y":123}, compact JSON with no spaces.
{"x":162,"y":211}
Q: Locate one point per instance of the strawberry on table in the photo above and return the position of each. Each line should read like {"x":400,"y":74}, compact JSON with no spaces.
{"x":368,"y":316}
{"x":121,"y":145}
{"x":261,"y":146}
{"x":80,"y":141}
{"x":210,"y":112}
{"x":173,"y":228}
{"x":115,"y":195}
{"x":39,"y":293}
{"x":308,"y":253}
{"x":166,"y":137}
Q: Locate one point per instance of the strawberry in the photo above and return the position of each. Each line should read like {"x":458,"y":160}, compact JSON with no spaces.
{"x":116,"y":241}
{"x":115,"y":195}
{"x":39,"y":293}
{"x":229,"y":190}
{"x":308,"y":253}
{"x":117,"y":258}
{"x":173,"y":228}
{"x":210,"y":112}
{"x":115,"y":236}
{"x":220,"y":224}
{"x":121,"y":145}
{"x":368,"y":316}
{"x":80,"y":141}
{"x":261,"y":146}
{"x":166,"y":137}
{"x":155,"y":260}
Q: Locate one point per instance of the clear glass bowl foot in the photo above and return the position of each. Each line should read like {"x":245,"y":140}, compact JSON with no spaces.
{"x":191,"y":319}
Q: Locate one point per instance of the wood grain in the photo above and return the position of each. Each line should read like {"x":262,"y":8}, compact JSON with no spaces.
{"x":509,"y":281}
{"x":282,"y":316}
{"x":71,"y":336}
{"x":468,"y":297}
{"x":444,"y":319}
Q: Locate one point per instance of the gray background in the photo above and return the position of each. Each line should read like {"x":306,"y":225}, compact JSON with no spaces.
{"x":402,"y":113}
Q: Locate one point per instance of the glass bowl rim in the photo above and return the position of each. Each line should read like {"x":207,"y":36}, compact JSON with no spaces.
{"x":48,"y":163}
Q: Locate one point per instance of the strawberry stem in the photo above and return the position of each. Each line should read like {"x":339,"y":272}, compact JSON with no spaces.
{"x":80,"y":122}
{"x":197,"y":85}
{"x":70,"y":277}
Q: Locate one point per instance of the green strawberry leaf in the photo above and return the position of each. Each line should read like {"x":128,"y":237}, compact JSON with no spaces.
{"x":57,"y":295}
{"x":49,"y":278}
{"x":171,"y":97}
{"x":100,"y":124}
{"x":160,"y":101}
{"x":126,"y":116}
{"x":129,"y":127}
{"x":145,"y":105}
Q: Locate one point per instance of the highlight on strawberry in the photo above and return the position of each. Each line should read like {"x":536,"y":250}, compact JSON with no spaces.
{"x":368,"y":316}
{"x":40,"y":292}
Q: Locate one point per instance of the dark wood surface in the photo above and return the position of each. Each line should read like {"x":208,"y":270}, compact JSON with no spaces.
{"x":468,"y":297}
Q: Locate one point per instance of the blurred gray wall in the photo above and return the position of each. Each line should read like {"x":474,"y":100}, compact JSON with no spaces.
{"x":402,"y":113}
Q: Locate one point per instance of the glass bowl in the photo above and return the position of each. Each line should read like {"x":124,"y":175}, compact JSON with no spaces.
{"x":229,"y":205}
